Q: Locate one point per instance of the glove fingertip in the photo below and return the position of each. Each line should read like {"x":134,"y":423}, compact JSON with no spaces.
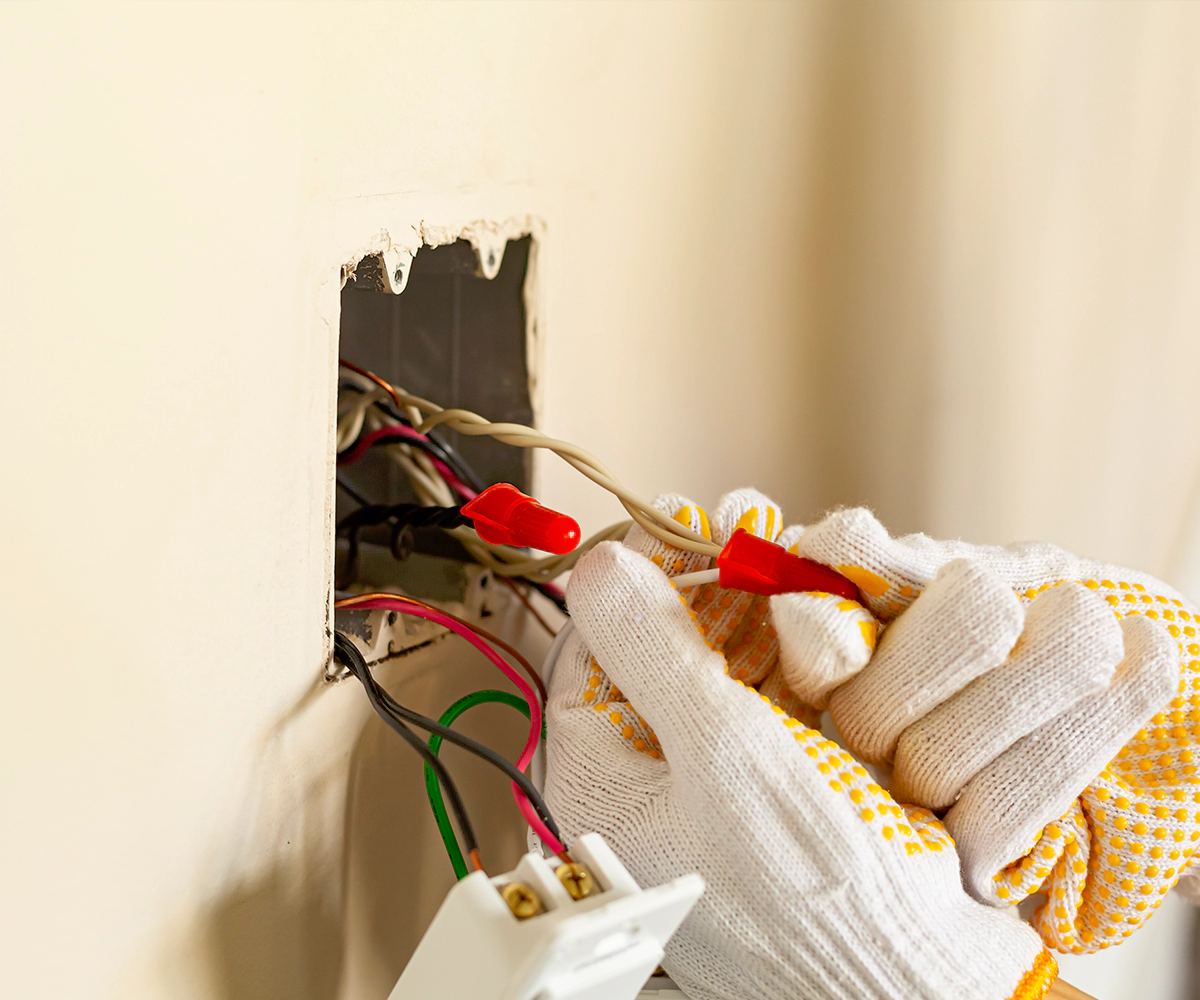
{"x":669,"y":559}
{"x":637,"y":625}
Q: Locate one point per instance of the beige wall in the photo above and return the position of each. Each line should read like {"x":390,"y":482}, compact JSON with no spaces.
{"x":939,"y":258}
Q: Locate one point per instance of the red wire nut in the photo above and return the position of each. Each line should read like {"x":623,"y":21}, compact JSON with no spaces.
{"x":503,"y":515}
{"x":755,"y":565}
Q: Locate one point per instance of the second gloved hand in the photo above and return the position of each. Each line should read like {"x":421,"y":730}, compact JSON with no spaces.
{"x":1050,"y":702}
{"x":820,"y":887}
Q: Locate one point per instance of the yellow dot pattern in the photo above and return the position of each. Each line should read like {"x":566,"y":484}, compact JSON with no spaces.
{"x":1107,"y":864}
{"x":734,"y":623}
{"x":673,"y":561}
{"x":737,"y":625}
{"x":606,"y":699}
{"x":911,"y":829}
{"x":1036,"y":983}
{"x":777,"y":692}
{"x":867,"y":625}
{"x":887,"y":598}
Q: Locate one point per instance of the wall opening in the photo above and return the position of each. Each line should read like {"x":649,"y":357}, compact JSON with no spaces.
{"x":457,"y":338}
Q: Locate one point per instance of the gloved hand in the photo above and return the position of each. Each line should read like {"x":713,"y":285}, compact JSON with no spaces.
{"x":1046,"y":698}
{"x":819,"y":885}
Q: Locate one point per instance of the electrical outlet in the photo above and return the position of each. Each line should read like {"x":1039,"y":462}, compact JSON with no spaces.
{"x":602,"y":946}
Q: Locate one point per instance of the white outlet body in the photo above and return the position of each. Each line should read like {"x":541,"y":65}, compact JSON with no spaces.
{"x":602,"y":947}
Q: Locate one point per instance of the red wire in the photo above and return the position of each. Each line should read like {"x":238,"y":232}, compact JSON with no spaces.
{"x":400,"y":431}
{"x":405,"y":606}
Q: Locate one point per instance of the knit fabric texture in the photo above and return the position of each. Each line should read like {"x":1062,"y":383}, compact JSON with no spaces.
{"x":820,"y":886}
{"x":1051,"y":702}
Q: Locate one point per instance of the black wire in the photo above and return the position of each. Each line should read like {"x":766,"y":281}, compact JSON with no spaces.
{"x":434,"y":445}
{"x":429,"y":447}
{"x":557,"y":600}
{"x":437,"y":448}
{"x":401,"y":515}
{"x":413,"y":514}
{"x":369,"y":514}
{"x":400,"y":712}
{"x":345,"y":650}
{"x":457,"y":466}
{"x":442,"y":449}
{"x":479,"y":750}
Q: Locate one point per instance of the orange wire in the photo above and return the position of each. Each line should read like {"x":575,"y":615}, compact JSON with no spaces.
{"x":474,"y":855}
{"x":524,"y":599}
{"x":384,"y":385}
{"x":349,"y":602}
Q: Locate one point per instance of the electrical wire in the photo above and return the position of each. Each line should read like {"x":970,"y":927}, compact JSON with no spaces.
{"x":411,"y":515}
{"x":495,"y":640}
{"x":659,"y":524}
{"x":518,"y":777}
{"x":693,"y":579}
{"x":524,"y":599}
{"x":350,"y":423}
{"x":538,"y":815}
{"x":401,"y":516}
{"x":345,"y":650}
{"x":388,"y":435}
{"x":417,"y":464}
{"x":434,"y":791}
{"x":502,"y":560}
{"x":480,"y":631}
{"x":526,"y":803}
{"x":457,"y":625}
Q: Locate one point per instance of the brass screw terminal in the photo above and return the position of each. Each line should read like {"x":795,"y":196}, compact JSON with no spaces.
{"x":576,"y":879}
{"x":521,"y":899}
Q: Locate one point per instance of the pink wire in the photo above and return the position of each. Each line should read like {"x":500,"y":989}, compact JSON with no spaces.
{"x":558,"y":592}
{"x":400,"y":431}
{"x":527,"y":692}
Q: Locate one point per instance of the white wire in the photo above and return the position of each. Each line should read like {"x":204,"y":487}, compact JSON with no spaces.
{"x":432,"y":489}
{"x":505,"y":561}
{"x":350,"y":421}
{"x":694,"y":579}
{"x":651,"y":519}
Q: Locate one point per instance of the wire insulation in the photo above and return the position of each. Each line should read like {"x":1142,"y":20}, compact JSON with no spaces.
{"x":524,"y":599}
{"x":433,"y":789}
{"x":653,"y":520}
{"x":345,"y":650}
{"x":404,"y":605}
{"x":391,"y":433}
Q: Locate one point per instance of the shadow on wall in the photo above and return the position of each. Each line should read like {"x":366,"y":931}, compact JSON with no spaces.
{"x":341,"y":898}
{"x":276,"y":938}
{"x":396,"y":870}
{"x":277,"y":932}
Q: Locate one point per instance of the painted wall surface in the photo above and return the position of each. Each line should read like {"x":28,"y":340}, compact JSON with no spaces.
{"x":938,"y":258}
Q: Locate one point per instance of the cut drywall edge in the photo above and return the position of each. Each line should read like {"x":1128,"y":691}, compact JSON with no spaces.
{"x":489,"y":238}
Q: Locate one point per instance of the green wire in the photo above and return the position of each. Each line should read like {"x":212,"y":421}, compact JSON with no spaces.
{"x":434,"y":790}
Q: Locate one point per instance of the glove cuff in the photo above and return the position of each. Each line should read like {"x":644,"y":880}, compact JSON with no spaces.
{"x":1036,"y":983}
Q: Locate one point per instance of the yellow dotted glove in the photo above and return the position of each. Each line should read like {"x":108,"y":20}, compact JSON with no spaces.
{"x":820,"y":887}
{"x":1052,"y":703}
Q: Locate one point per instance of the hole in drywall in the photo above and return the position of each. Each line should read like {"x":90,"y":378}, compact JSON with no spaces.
{"x":457,"y":338}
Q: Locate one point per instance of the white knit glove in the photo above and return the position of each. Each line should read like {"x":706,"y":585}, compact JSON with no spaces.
{"x":1050,"y":701}
{"x":819,"y":886}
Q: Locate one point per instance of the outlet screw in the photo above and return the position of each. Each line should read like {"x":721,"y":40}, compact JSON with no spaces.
{"x":521,"y":899}
{"x":576,"y":879}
